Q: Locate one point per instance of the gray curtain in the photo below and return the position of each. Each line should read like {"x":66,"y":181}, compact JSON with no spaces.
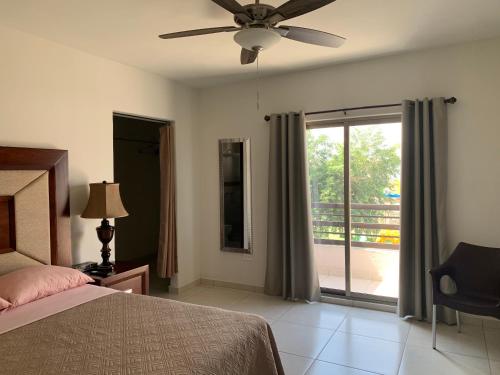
{"x":423,"y":205}
{"x":167,"y":250}
{"x":291,"y":270}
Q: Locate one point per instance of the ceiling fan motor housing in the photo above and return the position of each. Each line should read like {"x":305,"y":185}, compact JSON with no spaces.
{"x":257,"y":38}
{"x":258,"y":12}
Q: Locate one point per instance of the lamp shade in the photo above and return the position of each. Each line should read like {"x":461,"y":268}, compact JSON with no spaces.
{"x":104,"y":202}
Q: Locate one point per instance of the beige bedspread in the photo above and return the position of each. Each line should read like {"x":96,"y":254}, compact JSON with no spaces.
{"x":131,"y":334}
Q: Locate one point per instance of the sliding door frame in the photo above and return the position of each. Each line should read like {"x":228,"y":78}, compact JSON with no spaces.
{"x":347,"y":208}
{"x":346,"y":124}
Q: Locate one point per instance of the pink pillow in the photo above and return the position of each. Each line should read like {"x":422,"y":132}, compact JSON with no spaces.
{"x":32,"y":283}
{"x":4,"y":304}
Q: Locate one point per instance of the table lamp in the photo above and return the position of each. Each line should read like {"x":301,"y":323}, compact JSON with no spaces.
{"x":105,"y":203}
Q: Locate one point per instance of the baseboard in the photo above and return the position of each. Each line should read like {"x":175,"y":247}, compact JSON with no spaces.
{"x":216,"y":283}
{"x":227,"y":284}
{"x":185,"y":288}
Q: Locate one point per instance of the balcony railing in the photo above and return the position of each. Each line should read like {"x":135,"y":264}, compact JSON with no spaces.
{"x":372,"y":225}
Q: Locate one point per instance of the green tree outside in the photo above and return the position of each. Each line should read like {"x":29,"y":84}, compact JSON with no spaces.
{"x":375,"y":169}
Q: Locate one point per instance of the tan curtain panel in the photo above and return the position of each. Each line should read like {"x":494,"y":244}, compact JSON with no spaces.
{"x":167,"y":252}
{"x":291,"y":270}
{"x":423,"y":205}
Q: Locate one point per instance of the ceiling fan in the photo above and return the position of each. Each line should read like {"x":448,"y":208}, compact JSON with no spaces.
{"x":257,"y":26}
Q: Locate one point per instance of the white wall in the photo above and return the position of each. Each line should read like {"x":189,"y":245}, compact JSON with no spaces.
{"x":470,"y":72}
{"x":55,"y":97}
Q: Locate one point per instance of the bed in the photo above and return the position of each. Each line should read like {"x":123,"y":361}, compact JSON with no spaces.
{"x":95,"y":330}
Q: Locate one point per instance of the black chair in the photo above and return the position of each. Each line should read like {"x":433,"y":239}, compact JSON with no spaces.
{"x":476,"y":273}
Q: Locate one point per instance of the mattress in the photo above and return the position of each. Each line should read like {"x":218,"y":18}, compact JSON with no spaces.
{"x":86,"y":332}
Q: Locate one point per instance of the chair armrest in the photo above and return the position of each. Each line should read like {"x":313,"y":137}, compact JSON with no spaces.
{"x":441,"y":271}
{"x":436,"y":274}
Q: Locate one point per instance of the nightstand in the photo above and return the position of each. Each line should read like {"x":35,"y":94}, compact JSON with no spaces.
{"x":127,"y":277}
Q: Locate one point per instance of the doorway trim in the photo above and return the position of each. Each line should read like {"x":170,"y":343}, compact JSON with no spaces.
{"x":144,"y":118}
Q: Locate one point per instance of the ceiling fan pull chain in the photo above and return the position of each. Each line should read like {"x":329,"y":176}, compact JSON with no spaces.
{"x":258,"y":83}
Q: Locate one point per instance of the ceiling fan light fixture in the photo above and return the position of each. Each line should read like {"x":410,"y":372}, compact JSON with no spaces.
{"x":256,"y":39}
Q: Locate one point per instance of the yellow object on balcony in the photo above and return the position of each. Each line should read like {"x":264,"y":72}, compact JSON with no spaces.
{"x":388,"y":236}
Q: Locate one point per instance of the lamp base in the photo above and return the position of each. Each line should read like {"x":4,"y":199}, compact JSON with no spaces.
{"x":105,"y":234}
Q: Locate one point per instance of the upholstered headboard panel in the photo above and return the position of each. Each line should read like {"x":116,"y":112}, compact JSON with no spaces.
{"x":28,"y":196}
{"x":34,"y":205}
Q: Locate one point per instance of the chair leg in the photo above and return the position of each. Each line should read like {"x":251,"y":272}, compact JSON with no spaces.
{"x":459,"y":323}
{"x":434,"y":317}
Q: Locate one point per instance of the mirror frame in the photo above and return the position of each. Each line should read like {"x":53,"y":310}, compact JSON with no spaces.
{"x":247,"y":193}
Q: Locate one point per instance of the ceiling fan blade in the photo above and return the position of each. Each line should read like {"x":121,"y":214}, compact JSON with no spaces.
{"x":211,"y":30}
{"x":248,"y":57}
{"x":295,"y":8}
{"x":234,"y":7}
{"x":310,"y":36}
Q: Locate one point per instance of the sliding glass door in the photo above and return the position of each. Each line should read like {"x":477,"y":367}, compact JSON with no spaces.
{"x":326,"y":172}
{"x":355,"y":168}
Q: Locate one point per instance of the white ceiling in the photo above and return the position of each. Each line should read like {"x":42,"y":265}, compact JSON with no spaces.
{"x":126,"y":31}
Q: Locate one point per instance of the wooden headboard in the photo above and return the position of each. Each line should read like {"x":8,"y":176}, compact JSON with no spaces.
{"x":20,"y":166}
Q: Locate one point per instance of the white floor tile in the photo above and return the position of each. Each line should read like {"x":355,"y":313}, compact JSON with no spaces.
{"x":365,"y":342}
{"x":333,"y":282}
{"x":361,"y":285}
{"x":322,"y":278}
{"x":321,"y":315}
{"x":493,"y":343}
{"x":326,"y":368}
{"x":271,"y":308}
{"x":363,"y":353}
{"x":469,"y":319}
{"x":374,"y":314}
{"x":495,"y":367}
{"x":190,"y":292}
{"x":357,"y":284}
{"x":388,"y":288}
{"x":491,"y":323}
{"x":299,"y":339}
{"x":217,"y":297}
{"x":418,"y":360}
{"x":295,"y":365}
{"x":376,"y":324}
{"x":470,"y":342}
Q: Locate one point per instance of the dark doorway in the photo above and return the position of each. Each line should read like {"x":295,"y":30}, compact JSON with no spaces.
{"x":137,"y":169}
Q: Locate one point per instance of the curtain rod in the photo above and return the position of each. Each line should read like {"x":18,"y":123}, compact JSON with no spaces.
{"x":451,"y":100}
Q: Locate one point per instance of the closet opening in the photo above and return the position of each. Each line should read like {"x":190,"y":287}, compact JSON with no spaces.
{"x":136,"y":143}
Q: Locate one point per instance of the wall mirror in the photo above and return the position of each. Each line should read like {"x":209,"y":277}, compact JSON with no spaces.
{"x":235,"y":195}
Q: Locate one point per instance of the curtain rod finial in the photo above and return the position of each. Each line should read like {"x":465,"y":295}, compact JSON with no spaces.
{"x":452,"y":100}
{"x":267,"y":118}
